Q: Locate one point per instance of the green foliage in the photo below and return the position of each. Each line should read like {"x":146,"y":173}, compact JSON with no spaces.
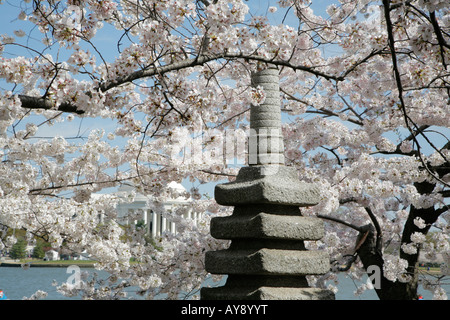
{"x":140,"y":225}
{"x":38,"y":251}
{"x":18,"y":250}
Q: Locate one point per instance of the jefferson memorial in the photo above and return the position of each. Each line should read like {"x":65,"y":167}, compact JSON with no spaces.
{"x":139,"y":211}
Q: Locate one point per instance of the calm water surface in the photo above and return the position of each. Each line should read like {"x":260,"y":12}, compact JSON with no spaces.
{"x":18,"y":283}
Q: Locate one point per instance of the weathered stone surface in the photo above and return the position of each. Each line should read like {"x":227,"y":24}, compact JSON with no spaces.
{"x":265,"y":293}
{"x":271,"y":185}
{"x":255,"y":208}
{"x":256,"y":281}
{"x":266,"y":145}
{"x":261,"y":115}
{"x":249,"y":287}
{"x":266,"y":123}
{"x":267,"y":262}
{"x":266,"y":140}
{"x":267,"y":226}
{"x":266,"y":158}
{"x":265,"y":108}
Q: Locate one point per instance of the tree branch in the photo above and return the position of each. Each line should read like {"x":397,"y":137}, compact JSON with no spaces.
{"x":407,"y":119}
{"x":379,"y":238}
{"x":359,"y":229}
{"x":202,"y":59}
{"x":29,"y":102}
{"x":40,"y":103}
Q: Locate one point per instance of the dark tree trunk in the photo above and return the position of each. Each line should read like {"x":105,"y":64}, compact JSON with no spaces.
{"x":370,"y":251}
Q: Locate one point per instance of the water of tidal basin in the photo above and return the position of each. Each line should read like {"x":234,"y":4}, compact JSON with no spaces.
{"x":18,"y":283}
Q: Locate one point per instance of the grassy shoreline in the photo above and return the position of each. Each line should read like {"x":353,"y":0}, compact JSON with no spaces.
{"x":42,"y":263}
{"x":433,"y":271}
{"x":91,"y":263}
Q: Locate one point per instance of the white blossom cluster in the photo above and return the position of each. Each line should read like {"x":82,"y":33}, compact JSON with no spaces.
{"x":175,"y":84}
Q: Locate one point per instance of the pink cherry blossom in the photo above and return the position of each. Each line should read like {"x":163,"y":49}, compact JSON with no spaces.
{"x":365,"y":109}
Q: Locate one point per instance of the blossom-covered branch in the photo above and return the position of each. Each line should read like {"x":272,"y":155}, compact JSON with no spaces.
{"x":100,"y":94}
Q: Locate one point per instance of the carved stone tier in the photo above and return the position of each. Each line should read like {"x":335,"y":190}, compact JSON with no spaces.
{"x":267,"y":258}
{"x":267,"y":184}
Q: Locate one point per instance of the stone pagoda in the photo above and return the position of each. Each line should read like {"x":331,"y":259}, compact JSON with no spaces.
{"x":267,"y":259}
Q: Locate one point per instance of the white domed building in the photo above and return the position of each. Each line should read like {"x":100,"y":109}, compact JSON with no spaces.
{"x":140,"y":210}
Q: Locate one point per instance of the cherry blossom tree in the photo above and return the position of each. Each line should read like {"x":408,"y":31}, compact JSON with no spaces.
{"x":366,"y":106}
